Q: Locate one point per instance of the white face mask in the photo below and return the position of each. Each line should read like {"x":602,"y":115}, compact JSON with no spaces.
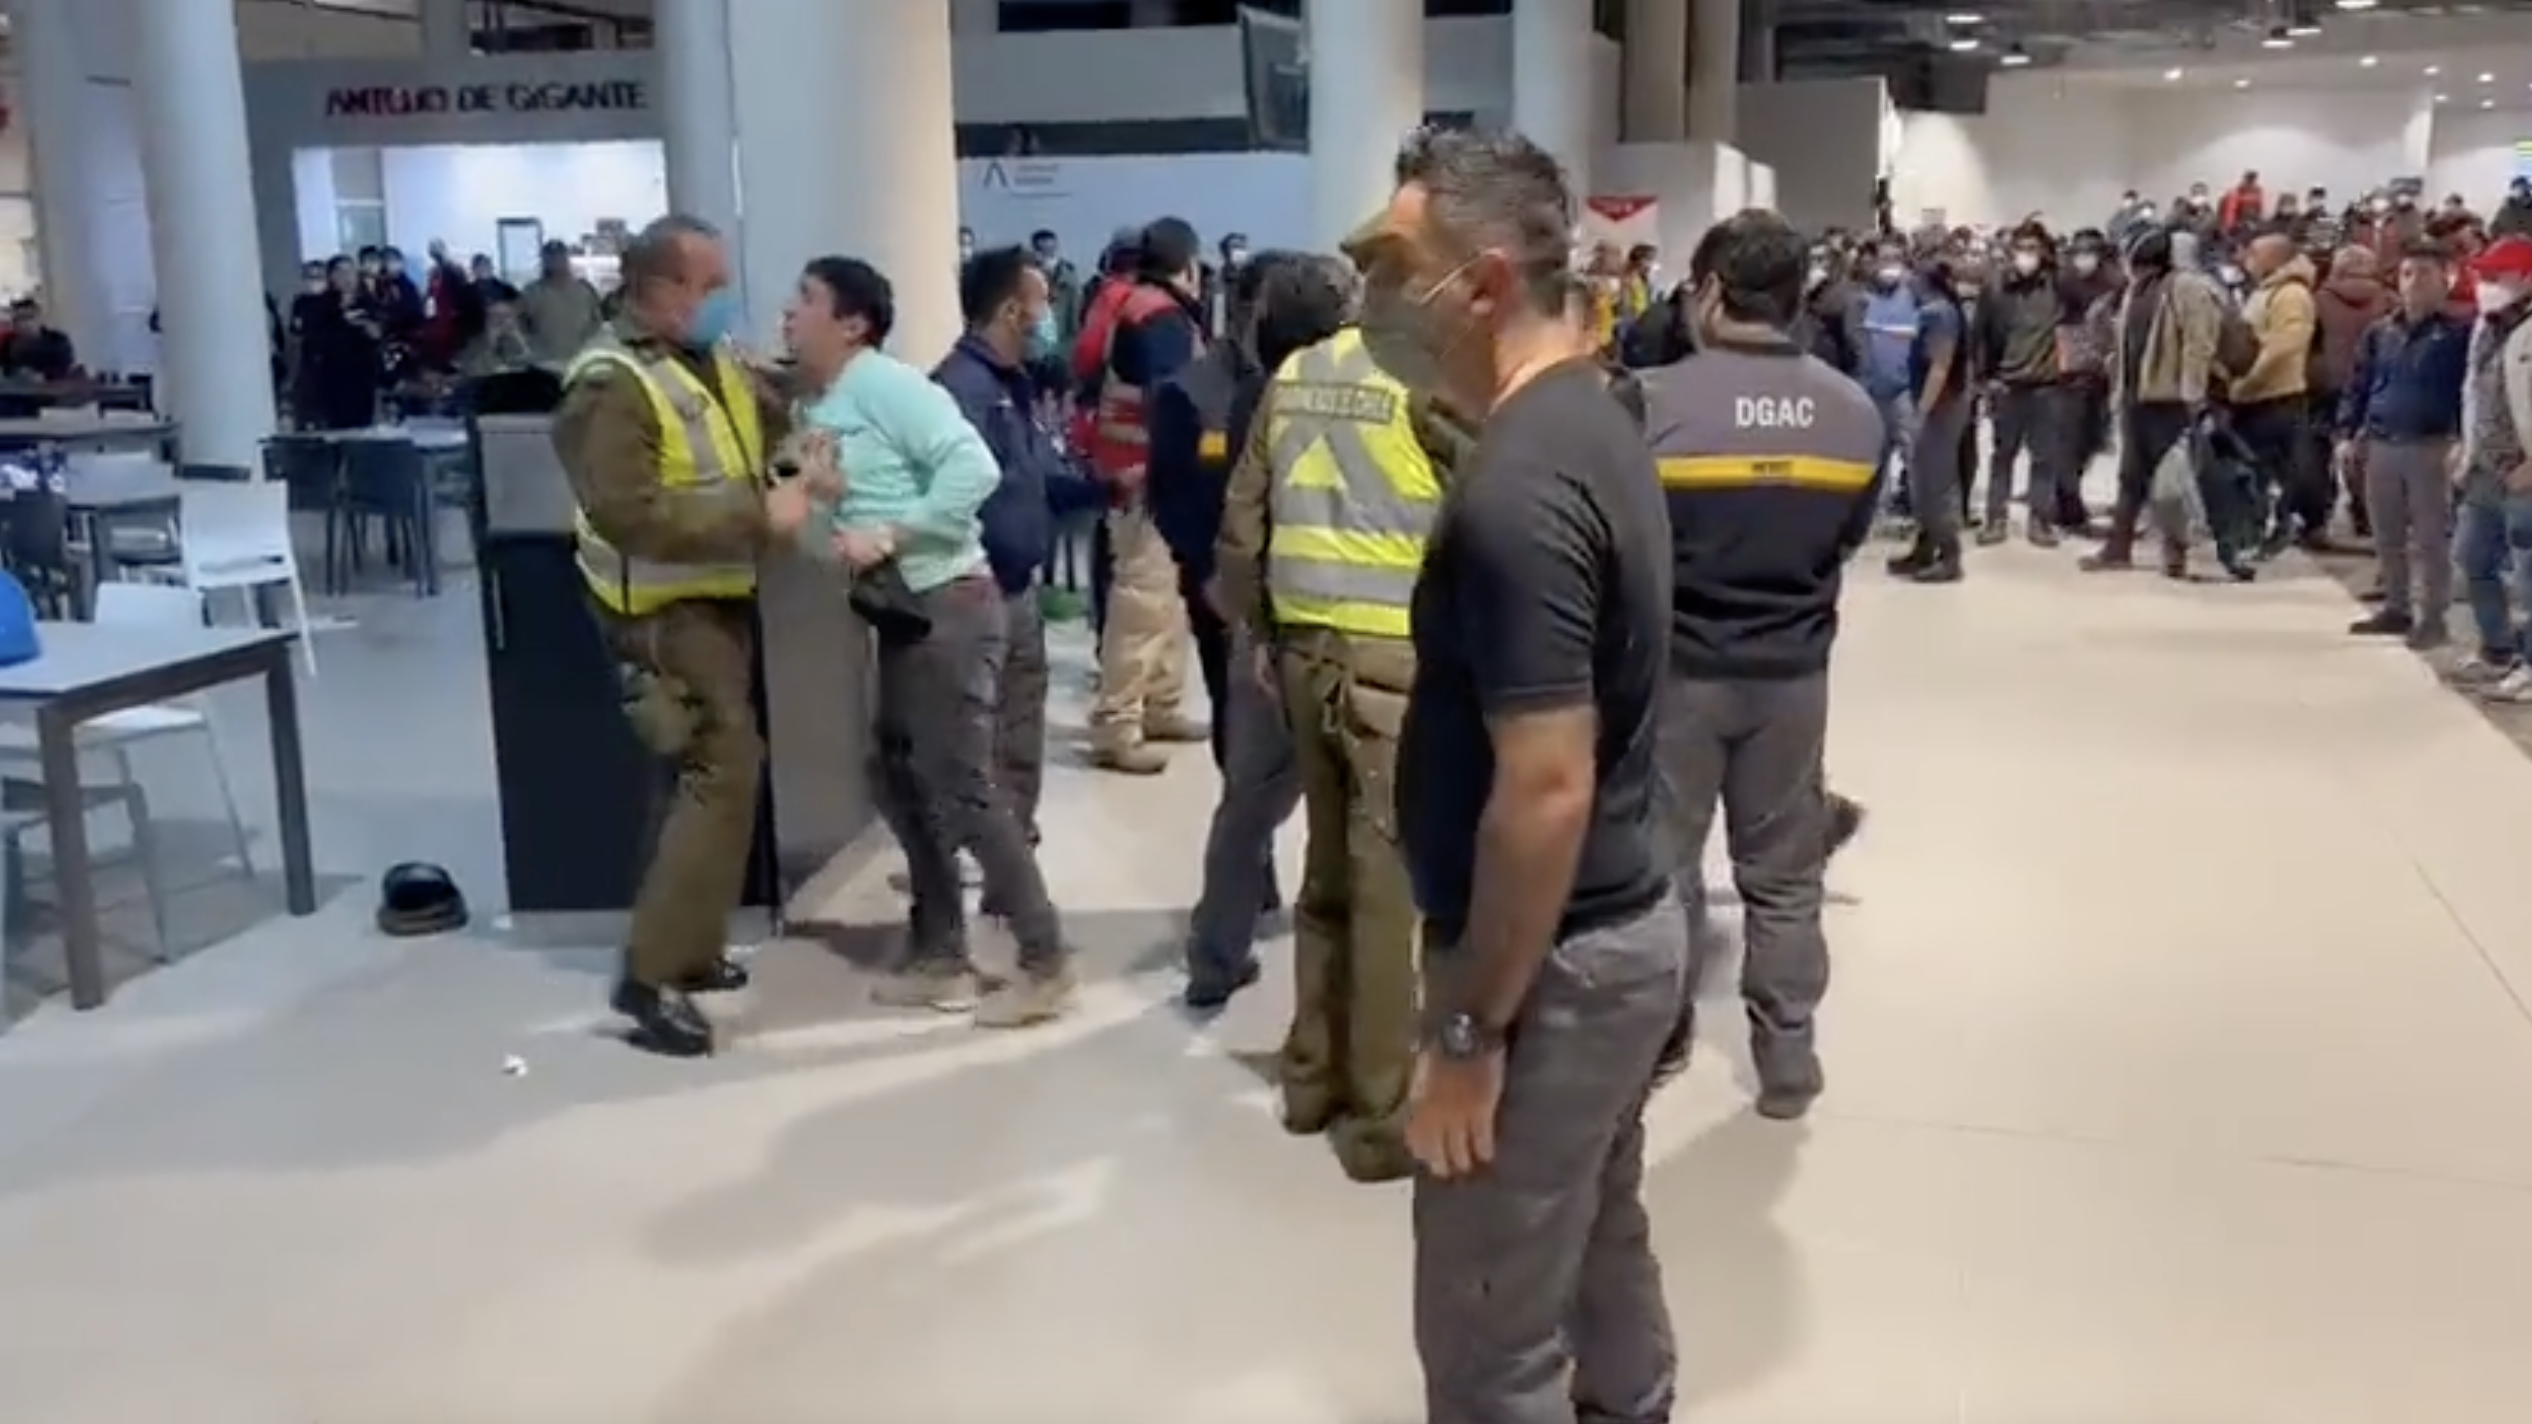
{"x":2494,"y":298}
{"x":2230,"y":273}
{"x":1819,"y":277}
{"x":1888,"y":274}
{"x":2026,"y":263}
{"x":2086,"y":263}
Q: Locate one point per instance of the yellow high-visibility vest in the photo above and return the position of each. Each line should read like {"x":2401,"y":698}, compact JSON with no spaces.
{"x":711,"y":447}
{"x":1354,"y":493}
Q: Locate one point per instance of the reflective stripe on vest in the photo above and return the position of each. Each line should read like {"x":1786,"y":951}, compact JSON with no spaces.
{"x":711,"y":447}
{"x":1354,"y":493}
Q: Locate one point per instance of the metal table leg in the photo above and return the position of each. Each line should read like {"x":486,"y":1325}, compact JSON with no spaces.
{"x":66,"y":818}
{"x":290,"y":780}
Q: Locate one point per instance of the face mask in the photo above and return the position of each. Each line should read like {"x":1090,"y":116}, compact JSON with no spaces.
{"x":1236,"y":257}
{"x":1889,"y":273}
{"x":1403,"y":334}
{"x":2146,"y":213}
{"x":2230,"y":273}
{"x":1966,"y":291}
{"x":2026,"y":263}
{"x":1819,"y":277}
{"x":714,"y":320}
{"x":2494,"y":299}
{"x":1042,"y":337}
{"x":2086,"y":263}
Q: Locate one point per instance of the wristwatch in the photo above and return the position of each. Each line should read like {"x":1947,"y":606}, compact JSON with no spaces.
{"x":1463,"y":1036}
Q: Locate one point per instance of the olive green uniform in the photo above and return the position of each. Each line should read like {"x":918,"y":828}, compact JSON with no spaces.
{"x":1350,"y":1053}
{"x":689,"y":667}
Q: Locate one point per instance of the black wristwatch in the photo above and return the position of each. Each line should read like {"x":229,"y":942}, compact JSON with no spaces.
{"x":1463,"y":1036}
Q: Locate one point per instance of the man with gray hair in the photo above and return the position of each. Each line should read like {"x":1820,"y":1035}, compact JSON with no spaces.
{"x":1527,"y":808}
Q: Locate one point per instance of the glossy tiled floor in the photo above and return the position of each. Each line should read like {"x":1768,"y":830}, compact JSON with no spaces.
{"x":2180,"y":1074}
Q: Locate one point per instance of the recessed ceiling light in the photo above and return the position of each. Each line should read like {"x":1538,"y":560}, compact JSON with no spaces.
{"x":2304,"y":29}
{"x":2433,"y":70}
{"x":2443,"y":98}
{"x":2357,"y":4}
{"x":2488,"y":79}
{"x":2277,"y":38}
{"x":2171,"y":76}
{"x":2369,"y":61}
{"x":1964,"y":44}
{"x":2016,"y":57}
{"x":1963,"y":17}
{"x":2487,"y":103}
{"x":2241,"y":84}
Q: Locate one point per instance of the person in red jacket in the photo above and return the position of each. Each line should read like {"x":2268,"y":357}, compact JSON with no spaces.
{"x":2244,"y":205}
{"x":1158,"y":328}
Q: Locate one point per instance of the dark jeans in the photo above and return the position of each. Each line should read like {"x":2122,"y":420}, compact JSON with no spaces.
{"x":2085,"y":432}
{"x":1213,"y":660}
{"x":1103,"y":571}
{"x":2148,"y":430}
{"x":1757,"y":750}
{"x":938,"y":723}
{"x":1020,"y":707}
{"x":2029,"y":420}
{"x":1261,"y":788}
{"x":2279,"y":434}
{"x":1537,"y":1296}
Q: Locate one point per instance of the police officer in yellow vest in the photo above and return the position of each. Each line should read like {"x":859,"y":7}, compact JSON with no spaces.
{"x":1322,"y":540}
{"x":665,"y":438}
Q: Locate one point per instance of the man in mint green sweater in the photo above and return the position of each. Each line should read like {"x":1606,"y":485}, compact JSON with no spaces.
{"x":916,"y":474}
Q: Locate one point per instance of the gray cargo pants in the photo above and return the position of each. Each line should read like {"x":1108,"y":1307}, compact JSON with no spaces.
{"x":1757,"y":749}
{"x":2409,"y":492}
{"x":935,"y":769}
{"x":1261,"y":788}
{"x":1537,"y":1297}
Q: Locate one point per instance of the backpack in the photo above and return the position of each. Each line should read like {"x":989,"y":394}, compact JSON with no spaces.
{"x":2237,"y":346}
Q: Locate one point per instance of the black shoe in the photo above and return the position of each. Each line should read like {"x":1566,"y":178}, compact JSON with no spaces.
{"x":1207,"y":995}
{"x":2385,"y":624}
{"x":1946,"y":568}
{"x":665,"y":1021}
{"x":723,"y":976}
{"x":1913,"y":562}
{"x":1846,"y":817}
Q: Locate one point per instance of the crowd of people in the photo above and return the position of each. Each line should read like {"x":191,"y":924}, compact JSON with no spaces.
{"x":1512,"y":575}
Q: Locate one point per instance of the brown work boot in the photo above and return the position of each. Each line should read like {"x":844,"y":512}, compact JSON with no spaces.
{"x":1131,"y":758}
{"x":1033,"y":997}
{"x":1369,"y":1152}
{"x":1175,"y":727}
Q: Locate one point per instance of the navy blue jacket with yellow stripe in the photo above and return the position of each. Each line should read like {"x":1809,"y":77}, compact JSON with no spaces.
{"x":1771,"y":460}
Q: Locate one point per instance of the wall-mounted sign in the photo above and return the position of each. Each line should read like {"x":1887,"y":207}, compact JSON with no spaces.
{"x":387,"y":101}
{"x":1024,"y":177}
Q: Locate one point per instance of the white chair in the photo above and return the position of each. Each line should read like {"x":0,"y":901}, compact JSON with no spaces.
{"x":237,"y":536}
{"x":142,"y":605}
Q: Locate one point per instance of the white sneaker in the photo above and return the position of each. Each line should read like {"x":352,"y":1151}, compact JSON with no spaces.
{"x":2514,"y":688}
{"x":2479,"y":670}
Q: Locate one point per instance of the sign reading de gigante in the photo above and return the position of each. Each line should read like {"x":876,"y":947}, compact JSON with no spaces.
{"x":392,"y":101}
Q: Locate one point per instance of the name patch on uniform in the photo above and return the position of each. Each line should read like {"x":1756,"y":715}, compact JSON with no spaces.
{"x":1356,"y":405}
{"x":1212,"y":445}
{"x":1773,"y":412}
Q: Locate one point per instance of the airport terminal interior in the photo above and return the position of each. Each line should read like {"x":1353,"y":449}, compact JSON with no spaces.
{"x":2182,"y":1000}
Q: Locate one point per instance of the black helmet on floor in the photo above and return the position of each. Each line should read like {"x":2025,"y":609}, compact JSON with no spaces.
{"x":417,"y":898}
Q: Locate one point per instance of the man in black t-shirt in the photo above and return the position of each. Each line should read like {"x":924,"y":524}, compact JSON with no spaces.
{"x":1555,"y":954}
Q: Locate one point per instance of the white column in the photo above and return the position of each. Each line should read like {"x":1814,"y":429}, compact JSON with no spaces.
{"x":1551,"y":81}
{"x":1366,"y":96}
{"x":447,"y":28}
{"x":1656,"y":84}
{"x":1714,"y":71}
{"x":2417,"y":134}
{"x":845,"y":146}
{"x":192,"y":103}
{"x":53,"y":98}
{"x":692,"y":41}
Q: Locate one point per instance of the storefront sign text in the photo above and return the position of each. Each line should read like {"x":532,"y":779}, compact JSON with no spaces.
{"x":388,"y":101}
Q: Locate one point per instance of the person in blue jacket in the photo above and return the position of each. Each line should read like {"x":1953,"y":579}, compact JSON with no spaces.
{"x":1004,"y":296}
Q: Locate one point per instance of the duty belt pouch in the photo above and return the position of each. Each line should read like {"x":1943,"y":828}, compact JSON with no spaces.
{"x":892,"y":608}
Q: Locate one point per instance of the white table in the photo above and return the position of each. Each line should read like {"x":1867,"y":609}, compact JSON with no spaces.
{"x":86,"y":671}
{"x":101,"y":433}
{"x":107,"y":488}
{"x":431,"y":437}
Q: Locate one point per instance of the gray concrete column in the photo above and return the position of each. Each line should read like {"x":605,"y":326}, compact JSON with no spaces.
{"x":1551,"y":81}
{"x":696,"y":115}
{"x":1366,"y":96}
{"x":448,"y":28}
{"x":191,"y":98}
{"x":1656,"y":87}
{"x":1714,"y":71}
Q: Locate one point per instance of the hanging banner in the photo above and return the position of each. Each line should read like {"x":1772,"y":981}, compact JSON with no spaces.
{"x":1621,"y":220}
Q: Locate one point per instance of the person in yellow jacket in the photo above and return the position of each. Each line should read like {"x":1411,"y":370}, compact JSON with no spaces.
{"x":1323,"y":533}
{"x":665,"y":436}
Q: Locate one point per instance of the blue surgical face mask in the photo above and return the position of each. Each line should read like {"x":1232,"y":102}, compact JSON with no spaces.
{"x":714,"y":320}
{"x":1042,"y":335}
